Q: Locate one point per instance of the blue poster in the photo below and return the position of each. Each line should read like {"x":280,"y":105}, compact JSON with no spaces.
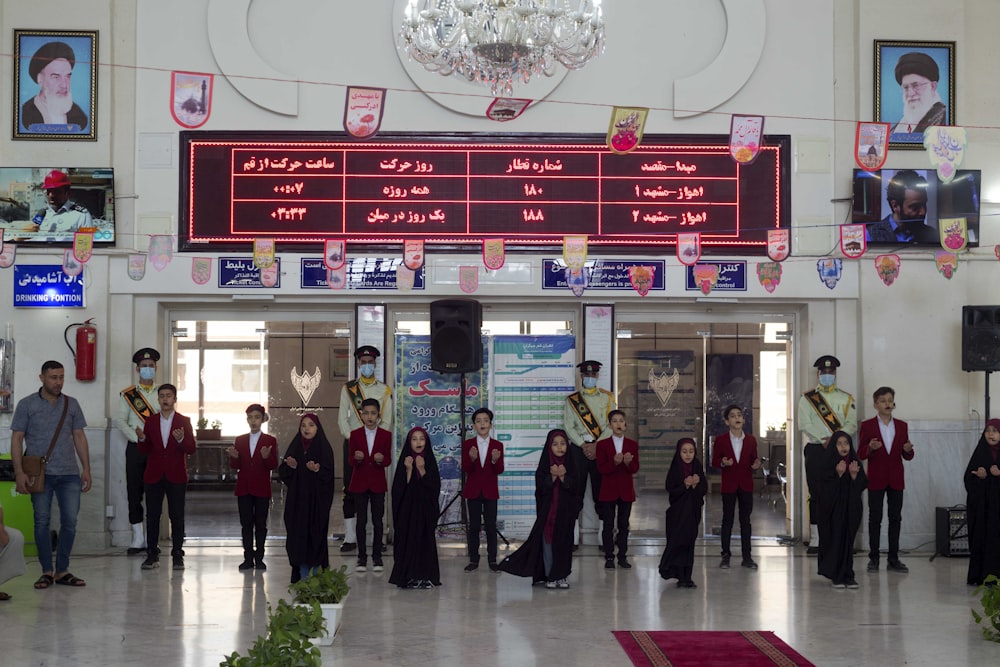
{"x":602,"y":274}
{"x":46,"y":286}
{"x":242,"y":272}
{"x":732,"y":277}
{"x":362,"y":273}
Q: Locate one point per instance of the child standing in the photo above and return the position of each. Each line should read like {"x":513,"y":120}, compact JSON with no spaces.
{"x":370,"y":454}
{"x":482,"y":463}
{"x":617,"y":461}
{"x":841,"y":485}
{"x":686,"y":486}
{"x":735,"y":453}
{"x":547,"y":554}
{"x":416,"y":488}
{"x":254,"y":455}
{"x":982,"y":486}
{"x":307,"y":469}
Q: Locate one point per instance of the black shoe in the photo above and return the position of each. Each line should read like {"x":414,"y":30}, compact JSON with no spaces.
{"x":385,"y":548}
{"x":624,"y":564}
{"x":494,"y":567}
{"x":749,"y":564}
{"x":152,"y":562}
{"x":348,"y":547}
{"x":852,"y":583}
{"x":575,"y":547}
{"x":362,"y":565}
{"x":178,"y":562}
{"x":895,"y":565}
{"x":472,"y":567}
{"x":872,"y":565}
{"x":609,"y":563}
{"x":259,"y":564}
{"x":724,"y":565}
{"x":812,"y":551}
{"x":690,"y":584}
{"x":135,"y":551}
{"x":246,"y":565}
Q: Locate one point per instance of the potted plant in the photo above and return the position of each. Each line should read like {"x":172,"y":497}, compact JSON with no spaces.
{"x":329,"y":589}
{"x":204,"y":433}
{"x":290,"y":628}
{"x":989,"y":597}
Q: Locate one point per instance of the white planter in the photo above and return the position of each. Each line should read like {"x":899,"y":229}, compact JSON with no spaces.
{"x":333,"y":614}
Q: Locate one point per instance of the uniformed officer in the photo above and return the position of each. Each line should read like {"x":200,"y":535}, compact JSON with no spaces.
{"x":821,"y":411}
{"x":63,"y":216}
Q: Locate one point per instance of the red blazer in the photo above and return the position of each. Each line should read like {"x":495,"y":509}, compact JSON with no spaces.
{"x":616,"y":478}
{"x":481,"y":479}
{"x":169,"y":461}
{"x":738,"y":476}
{"x":884,"y":470}
{"x":368,"y":475}
{"x":254,"y":478}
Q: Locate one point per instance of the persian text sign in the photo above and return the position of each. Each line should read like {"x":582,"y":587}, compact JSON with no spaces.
{"x":241,"y":272}
{"x":362,"y":273}
{"x":732,"y":277}
{"x":46,"y":286}
{"x":603,"y":274}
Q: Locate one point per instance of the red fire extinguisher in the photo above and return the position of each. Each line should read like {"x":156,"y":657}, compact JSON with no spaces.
{"x":85,"y":355}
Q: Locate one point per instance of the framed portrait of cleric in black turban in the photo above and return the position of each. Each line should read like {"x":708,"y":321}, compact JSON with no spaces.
{"x":914,"y":88}
{"x":55,"y":85}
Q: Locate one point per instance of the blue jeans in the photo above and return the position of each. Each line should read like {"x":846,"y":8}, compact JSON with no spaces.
{"x":67,"y":489}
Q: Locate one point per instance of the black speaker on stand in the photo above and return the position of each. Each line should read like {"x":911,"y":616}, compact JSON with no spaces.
{"x":456,"y":336}
{"x":981,"y":343}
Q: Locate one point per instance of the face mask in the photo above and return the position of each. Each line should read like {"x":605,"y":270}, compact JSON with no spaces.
{"x":589,"y":383}
{"x":147,"y":373}
{"x":827,"y":380}
{"x":367,"y":370}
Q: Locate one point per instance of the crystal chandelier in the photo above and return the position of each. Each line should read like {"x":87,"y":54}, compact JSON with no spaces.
{"x":499,"y":42}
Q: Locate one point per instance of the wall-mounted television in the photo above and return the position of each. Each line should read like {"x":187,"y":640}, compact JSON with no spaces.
{"x":26,"y":216}
{"x":904,"y":206}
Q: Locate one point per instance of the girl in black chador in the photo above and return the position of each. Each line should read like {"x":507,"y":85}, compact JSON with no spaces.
{"x":416,"y":488}
{"x":843,"y":479}
{"x":982,"y":486}
{"x":686,"y":485}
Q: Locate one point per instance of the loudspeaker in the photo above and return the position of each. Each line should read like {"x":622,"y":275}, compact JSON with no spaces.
{"x":456,"y":335}
{"x":952,"y":531}
{"x":981,"y":338}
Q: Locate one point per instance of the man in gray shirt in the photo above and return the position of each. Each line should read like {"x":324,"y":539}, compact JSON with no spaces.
{"x":32,"y":430}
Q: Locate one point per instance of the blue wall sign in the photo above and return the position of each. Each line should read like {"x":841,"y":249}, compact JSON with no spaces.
{"x":241,"y":272}
{"x":732,"y":277}
{"x":362,"y":273}
{"x":602,"y":274}
{"x":46,"y":286}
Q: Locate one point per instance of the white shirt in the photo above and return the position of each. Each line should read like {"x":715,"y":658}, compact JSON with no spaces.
{"x":370,"y":438}
{"x":254,"y":439}
{"x":483,"y":445}
{"x":165,"y":424}
{"x":618,"y":442}
{"x":737,"y":444}
{"x":888,"y":432}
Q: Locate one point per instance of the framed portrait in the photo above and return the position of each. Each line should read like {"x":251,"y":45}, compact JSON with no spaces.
{"x":914,"y":88}
{"x":55,"y":85}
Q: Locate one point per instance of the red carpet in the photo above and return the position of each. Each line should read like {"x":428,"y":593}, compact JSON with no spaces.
{"x":704,"y":649}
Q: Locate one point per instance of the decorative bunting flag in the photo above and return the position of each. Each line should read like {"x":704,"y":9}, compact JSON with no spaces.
{"x":201,"y":270}
{"x":7,"y":254}
{"x":947,"y":263}
{"x":625,"y":131}
{"x":269,"y":276}
{"x":337,"y":278}
{"x":954,"y":234}
{"x":263,"y":253}
{"x":503,"y":109}
{"x":493,"y":254}
{"x":830,"y":269}
{"x":778,"y":245}
{"x":363,"y":108}
{"x":468,"y":279}
{"x":405,"y":278}
{"x":161,"y":251}
{"x":871,"y":145}
{"x":745,"y":135}
{"x":334,"y":255}
{"x":136,"y":267}
{"x":689,"y":248}
{"x":769,"y":275}
{"x":706,"y":276}
{"x":71,"y":266}
{"x":413,"y":254}
{"x":575,"y":251}
{"x":83,"y":246}
{"x":946,"y":149}
{"x":853,"y":242}
{"x":641,"y":278}
{"x":996,"y":251}
{"x":887,"y":267}
{"x":190,"y":98}
{"x":576,"y":280}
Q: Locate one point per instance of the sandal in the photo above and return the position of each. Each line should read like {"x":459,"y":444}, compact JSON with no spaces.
{"x":4,"y":596}
{"x":70,"y":580}
{"x":44,"y":581}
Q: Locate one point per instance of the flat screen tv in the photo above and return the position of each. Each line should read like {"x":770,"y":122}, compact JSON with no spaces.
{"x":26,"y":217}
{"x":905,"y":206}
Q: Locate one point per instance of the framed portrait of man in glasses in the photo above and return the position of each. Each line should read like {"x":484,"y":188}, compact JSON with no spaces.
{"x":914,"y":88}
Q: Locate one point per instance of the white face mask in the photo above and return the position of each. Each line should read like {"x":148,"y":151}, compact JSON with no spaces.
{"x":367,"y":370}
{"x":147,"y":373}
{"x":827,"y":379}
{"x":589,"y":382}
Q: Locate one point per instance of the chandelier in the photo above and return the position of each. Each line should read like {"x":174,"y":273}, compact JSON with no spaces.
{"x":499,"y":42}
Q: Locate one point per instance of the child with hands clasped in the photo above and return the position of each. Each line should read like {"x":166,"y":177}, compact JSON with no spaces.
{"x":370,"y":454}
{"x":416,"y":488}
{"x":254,"y":455}
{"x":982,"y":487}
{"x":686,"y":486}
{"x":482,"y":463}
{"x":736,"y":453}
{"x":842,"y":483}
{"x":618,"y":462}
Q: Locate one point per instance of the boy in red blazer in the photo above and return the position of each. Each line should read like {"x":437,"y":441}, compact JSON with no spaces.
{"x":735,"y":453}
{"x":617,"y":461}
{"x":167,"y":439}
{"x":370,"y":454}
{"x":885,"y":443}
{"x":254,"y":455}
{"x":482,"y":464}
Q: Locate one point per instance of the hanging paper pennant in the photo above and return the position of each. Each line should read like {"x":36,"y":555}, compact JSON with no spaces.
{"x":706,"y":276}
{"x":7,"y":255}
{"x":954,"y":234}
{"x":503,"y":109}
{"x":269,"y":276}
{"x":83,"y":246}
{"x":190,"y":98}
{"x":337,"y":278}
{"x":830,"y":269}
{"x":625,"y":131}
{"x":641,"y":278}
{"x":778,"y":245}
{"x":405,"y":278}
{"x":769,"y":275}
{"x":201,"y":270}
{"x":853,"y":242}
{"x":745,"y":134}
{"x":71,"y":266}
{"x":576,"y":281}
{"x":575,"y":251}
{"x":887,"y":267}
{"x":413,"y":254}
{"x":161,"y":251}
{"x":493,"y":254}
{"x":333,"y":253}
{"x":996,"y":251}
{"x":689,"y":248}
{"x":263,"y":253}
{"x":947,"y":263}
{"x":363,"y":109}
{"x":946,"y":149}
{"x":468,"y":278}
{"x":136,"y":267}
{"x":871,"y":145}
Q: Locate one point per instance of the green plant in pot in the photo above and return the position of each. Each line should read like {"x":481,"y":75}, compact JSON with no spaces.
{"x":989,"y":597}
{"x":328,"y":589}
{"x":287,"y":642}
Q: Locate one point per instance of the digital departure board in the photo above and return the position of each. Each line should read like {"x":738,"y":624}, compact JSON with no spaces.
{"x":454,"y":191}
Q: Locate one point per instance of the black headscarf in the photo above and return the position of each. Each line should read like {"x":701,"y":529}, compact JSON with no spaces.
{"x":430,"y":466}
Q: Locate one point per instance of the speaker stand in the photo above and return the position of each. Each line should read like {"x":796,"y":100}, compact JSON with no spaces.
{"x":986,"y":415}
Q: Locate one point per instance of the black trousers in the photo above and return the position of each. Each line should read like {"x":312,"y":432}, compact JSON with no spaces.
{"x":253,"y":521}
{"x":813,"y":478}
{"x":482,"y":511}
{"x":135,"y":468}
{"x":875,"y":499}
{"x":377,"y":501}
{"x":595,"y":479}
{"x":174,"y":493}
{"x":729,"y":500}
{"x":349,"y":508}
{"x":606,"y":510}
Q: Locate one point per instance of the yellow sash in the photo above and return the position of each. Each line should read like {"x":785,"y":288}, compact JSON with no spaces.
{"x":586,"y":416}
{"x":354,"y":390}
{"x":823,"y":409}
{"x":137,"y":401}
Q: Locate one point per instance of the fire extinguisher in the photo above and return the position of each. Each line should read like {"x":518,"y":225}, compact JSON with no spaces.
{"x":85,"y":355}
